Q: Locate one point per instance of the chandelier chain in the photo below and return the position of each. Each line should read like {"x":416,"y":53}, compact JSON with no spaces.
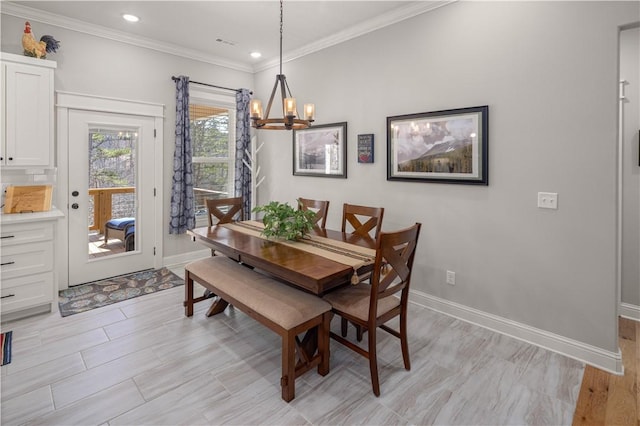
{"x":281,"y":36}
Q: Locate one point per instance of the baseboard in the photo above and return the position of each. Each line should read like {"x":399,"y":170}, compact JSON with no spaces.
{"x":597,"y":357}
{"x":629,"y":311}
{"x":184,"y":258}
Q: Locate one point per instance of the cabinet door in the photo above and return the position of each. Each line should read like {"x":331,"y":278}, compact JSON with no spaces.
{"x":29,"y":107}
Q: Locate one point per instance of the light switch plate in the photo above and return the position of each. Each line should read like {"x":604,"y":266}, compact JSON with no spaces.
{"x":548,"y":200}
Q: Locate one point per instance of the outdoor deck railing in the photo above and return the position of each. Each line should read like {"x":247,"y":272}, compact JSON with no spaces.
{"x":103,"y":205}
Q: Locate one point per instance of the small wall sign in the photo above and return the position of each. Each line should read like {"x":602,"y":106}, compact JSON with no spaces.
{"x":365,"y":148}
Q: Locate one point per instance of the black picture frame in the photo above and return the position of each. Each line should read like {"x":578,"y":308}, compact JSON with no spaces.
{"x":321,"y":151}
{"x":365,"y":148}
{"x":448,"y":146}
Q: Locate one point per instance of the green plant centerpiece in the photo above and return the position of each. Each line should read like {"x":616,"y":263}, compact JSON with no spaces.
{"x":283,"y":221}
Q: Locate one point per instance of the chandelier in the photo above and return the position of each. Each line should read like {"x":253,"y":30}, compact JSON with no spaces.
{"x":290,"y":118}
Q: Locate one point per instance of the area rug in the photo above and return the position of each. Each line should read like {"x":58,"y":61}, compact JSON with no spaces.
{"x":5,"y":343}
{"x":96,"y":294}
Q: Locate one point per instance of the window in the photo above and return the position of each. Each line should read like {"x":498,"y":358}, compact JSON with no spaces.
{"x":213,"y":143}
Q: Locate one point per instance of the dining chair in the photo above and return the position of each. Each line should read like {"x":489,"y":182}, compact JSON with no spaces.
{"x":371,"y":306}
{"x":224,"y":210}
{"x":362,"y":219}
{"x":321,"y":209}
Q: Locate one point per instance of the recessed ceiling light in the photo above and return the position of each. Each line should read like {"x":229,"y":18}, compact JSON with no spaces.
{"x":130,"y":18}
{"x":256,"y":54}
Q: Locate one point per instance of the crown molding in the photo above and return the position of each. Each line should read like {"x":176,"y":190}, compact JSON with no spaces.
{"x":411,"y":10}
{"x":37,"y":15}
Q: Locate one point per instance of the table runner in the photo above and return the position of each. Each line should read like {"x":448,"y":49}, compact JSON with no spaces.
{"x":338,"y":251}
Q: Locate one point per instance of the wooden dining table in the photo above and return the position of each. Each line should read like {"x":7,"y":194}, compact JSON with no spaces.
{"x":309,"y":271}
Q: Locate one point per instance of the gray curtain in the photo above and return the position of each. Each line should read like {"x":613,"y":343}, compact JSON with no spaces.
{"x":243,"y":142}
{"x":183,"y":215}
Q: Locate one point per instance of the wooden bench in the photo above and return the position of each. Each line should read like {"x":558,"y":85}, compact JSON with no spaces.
{"x":282,"y":308}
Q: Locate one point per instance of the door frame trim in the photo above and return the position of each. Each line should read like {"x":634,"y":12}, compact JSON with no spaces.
{"x":66,"y":101}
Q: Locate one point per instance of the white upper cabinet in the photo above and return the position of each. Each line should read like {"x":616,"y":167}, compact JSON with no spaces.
{"x":27,"y":112}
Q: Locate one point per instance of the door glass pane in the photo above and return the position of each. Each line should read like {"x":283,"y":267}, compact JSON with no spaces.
{"x":112,"y":191}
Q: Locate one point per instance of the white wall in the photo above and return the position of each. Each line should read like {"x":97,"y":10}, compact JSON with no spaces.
{"x":102,"y":67}
{"x":630,"y":71}
{"x":548,"y":71}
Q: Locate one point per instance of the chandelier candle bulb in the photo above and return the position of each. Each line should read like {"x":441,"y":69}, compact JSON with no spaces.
{"x":309,"y":112}
{"x":256,"y":108}
{"x":290,"y":107}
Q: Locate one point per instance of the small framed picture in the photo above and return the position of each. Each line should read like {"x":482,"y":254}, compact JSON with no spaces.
{"x":321,"y":151}
{"x":365,"y":148}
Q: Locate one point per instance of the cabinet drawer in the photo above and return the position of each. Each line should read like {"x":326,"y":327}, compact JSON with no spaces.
{"x":24,"y":259}
{"x":26,"y":292}
{"x":20,"y":233}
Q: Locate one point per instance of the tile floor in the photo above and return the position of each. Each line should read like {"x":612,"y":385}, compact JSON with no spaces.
{"x":142,"y":362}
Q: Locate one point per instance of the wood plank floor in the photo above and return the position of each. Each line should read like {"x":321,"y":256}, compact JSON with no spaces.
{"x":142,"y":361}
{"x":607,"y":399}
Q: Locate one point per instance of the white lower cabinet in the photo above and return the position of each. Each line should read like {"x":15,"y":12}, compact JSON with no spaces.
{"x":27,"y":276}
{"x":27,"y":292}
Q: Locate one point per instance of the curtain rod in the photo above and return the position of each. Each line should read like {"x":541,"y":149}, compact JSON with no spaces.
{"x":174,"y":78}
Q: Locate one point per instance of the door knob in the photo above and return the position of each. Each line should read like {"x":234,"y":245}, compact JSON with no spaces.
{"x":74,"y":206}
{"x":75,"y":193}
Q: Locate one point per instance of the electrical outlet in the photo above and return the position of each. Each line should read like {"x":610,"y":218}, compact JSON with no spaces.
{"x":451,"y":278}
{"x":548,"y":200}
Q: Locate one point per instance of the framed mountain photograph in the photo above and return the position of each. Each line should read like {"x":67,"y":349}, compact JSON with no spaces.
{"x":449,"y":146}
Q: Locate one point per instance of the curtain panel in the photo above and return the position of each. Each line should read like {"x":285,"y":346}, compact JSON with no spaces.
{"x":243,"y":144}
{"x":182,"y":214}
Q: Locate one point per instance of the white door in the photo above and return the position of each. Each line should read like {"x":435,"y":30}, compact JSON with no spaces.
{"x":110,"y":155}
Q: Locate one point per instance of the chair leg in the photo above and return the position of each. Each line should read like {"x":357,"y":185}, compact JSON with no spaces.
{"x":359,"y":333}
{"x":373,"y":363}
{"x":404,"y":342}
{"x":188,"y":294}
{"x":343,"y":327}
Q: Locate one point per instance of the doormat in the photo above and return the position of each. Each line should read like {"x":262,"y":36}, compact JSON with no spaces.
{"x":5,"y":343}
{"x":96,"y":294}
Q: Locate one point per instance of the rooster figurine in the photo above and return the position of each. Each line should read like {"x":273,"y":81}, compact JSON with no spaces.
{"x":38,"y":49}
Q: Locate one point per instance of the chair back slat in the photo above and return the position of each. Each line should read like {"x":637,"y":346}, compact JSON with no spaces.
{"x":320,"y":207}
{"x":362,"y":219}
{"x":224,"y":210}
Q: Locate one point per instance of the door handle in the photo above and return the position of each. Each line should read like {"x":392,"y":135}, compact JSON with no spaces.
{"x":75,"y":206}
